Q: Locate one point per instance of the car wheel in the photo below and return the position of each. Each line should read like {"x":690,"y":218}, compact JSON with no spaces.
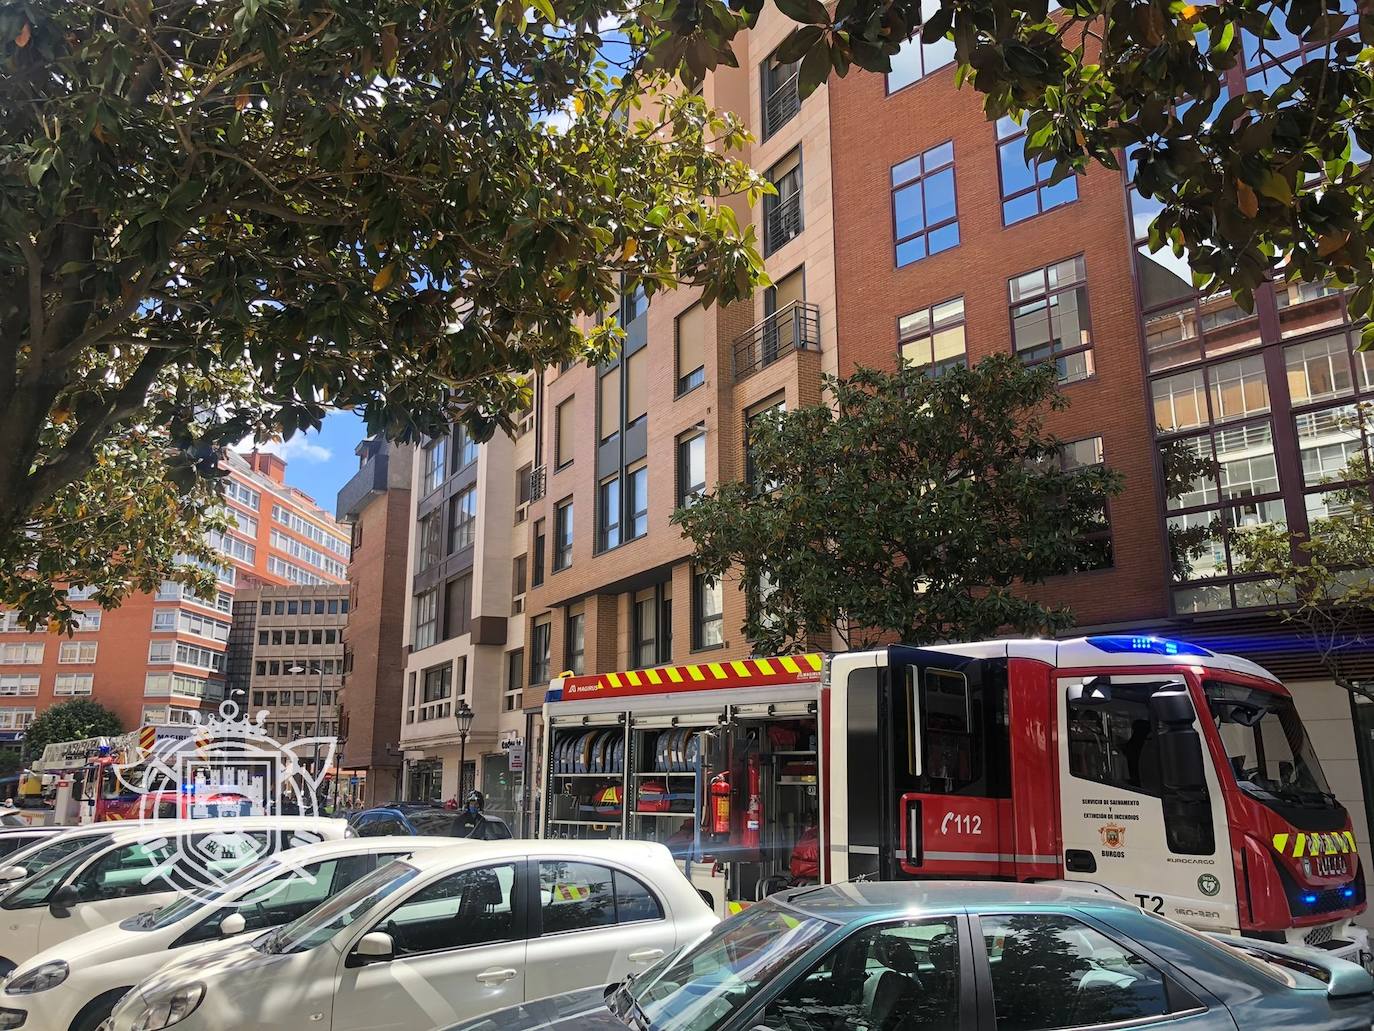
{"x":97,"y":1010}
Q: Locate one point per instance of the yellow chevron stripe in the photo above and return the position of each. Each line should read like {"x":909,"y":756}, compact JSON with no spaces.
{"x":653,"y":676}
{"x":1281,"y":843}
{"x":790,"y":664}
{"x":1298,"y":848}
{"x":615,"y":680}
{"x":815,"y":661}
{"x":717,"y":670}
{"x":674,"y":674}
{"x":741,"y":670}
{"x":633,"y":678}
{"x":1350,"y":837}
{"x":695,"y":672}
{"x":765,"y":667}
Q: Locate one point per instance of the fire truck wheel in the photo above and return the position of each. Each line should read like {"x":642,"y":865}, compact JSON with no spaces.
{"x":97,"y":1010}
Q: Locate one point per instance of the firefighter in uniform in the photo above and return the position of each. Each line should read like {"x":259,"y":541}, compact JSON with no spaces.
{"x":473,"y":823}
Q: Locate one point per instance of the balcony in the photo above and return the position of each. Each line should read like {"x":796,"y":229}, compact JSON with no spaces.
{"x":538,"y":482}
{"x":370,"y":479}
{"x":797,"y":327}
{"x":782,"y":220}
{"x":782,"y":102}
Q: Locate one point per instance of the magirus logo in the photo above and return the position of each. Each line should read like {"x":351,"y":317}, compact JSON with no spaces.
{"x":229,"y":768}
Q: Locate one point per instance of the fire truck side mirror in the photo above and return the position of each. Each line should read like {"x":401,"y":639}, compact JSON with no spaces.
{"x":1180,"y":746}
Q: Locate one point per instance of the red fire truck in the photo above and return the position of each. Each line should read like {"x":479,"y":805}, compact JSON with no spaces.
{"x":1166,"y":773}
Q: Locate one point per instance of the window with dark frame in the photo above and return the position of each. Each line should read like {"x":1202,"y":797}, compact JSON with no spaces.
{"x":426,"y":619}
{"x":575,"y":643}
{"x":636,"y":501}
{"x":690,"y":336}
{"x":537,"y":551}
{"x":436,"y":457}
{"x":462,"y":520}
{"x":515,"y":680}
{"x":933,"y":338}
{"x":608,"y":513}
{"x":691,"y":465}
{"x":1026,"y":187}
{"x":781,"y":98}
{"x":563,"y":434}
{"x":540,"y":640}
{"x":915,"y":60}
{"x":925,"y":216}
{"x":645,"y":630}
{"x":464,"y":447}
{"x":782,"y":211}
{"x":1049,"y":318}
{"x":608,"y":404}
{"x":708,"y":612}
{"x":562,"y":534}
{"x":753,"y":418}
{"x":1096,"y":540}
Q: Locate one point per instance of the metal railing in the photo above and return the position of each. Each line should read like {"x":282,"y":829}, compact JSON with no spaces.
{"x":782,"y":103}
{"x":538,"y":482}
{"x":796,"y":327}
{"x":782,"y":221}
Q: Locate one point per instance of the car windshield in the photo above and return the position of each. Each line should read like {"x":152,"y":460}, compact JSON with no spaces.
{"x":700,"y":988}
{"x":331,"y":917}
{"x":157,"y":919}
{"x":35,"y":890}
{"x":435,"y":822}
{"x":1267,"y":746}
{"x":53,"y":850}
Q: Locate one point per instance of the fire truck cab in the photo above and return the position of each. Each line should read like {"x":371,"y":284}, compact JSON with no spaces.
{"x":1168,"y":774}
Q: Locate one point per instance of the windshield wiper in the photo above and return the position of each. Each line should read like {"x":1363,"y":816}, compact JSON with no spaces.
{"x":633,"y":1013}
{"x":269,"y":944}
{"x":145,"y":920}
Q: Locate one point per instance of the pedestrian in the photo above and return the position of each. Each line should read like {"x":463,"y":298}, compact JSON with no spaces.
{"x":473,"y":823}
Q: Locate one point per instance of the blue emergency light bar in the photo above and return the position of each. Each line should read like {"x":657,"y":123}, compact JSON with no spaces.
{"x":1124,"y":644}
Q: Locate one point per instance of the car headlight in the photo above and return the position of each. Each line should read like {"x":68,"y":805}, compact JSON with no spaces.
{"x":169,"y":1008}
{"x":39,"y":979}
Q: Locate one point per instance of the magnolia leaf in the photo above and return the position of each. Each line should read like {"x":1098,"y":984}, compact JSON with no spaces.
{"x":383,"y":278}
{"x":22,"y":40}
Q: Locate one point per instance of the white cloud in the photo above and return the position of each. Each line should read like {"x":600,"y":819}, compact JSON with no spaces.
{"x":296,"y":448}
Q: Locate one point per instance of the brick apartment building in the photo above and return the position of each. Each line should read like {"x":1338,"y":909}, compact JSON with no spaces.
{"x":161,"y":658}
{"x":375,"y":505}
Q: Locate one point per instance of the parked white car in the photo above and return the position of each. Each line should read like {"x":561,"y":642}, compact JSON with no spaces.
{"x":42,"y":852}
{"x":110,"y":880}
{"x":17,"y":837}
{"x":74,"y":986}
{"x":443,"y":936}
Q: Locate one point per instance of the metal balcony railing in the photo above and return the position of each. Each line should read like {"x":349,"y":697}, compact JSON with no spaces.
{"x":782,"y":221}
{"x":538,"y":482}
{"x":796,"y":327}
{"x":781,"y":104}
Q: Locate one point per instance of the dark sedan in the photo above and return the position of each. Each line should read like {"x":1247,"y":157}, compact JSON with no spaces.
{"x":417,"y":818}
{"x":962,"y":957}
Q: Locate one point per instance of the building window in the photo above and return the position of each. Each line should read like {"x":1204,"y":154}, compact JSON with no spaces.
{"x":427,"y":537}
{"x":15,"y":719}
{"x":562,"y":535}
{"x":537,"y":575}
{"x":464,"y":447}
{"x":462,"y":520}
{"x":782,"y":212}
{"x":708,"y":612}
{"x":575,"y":643}
{"x":76,"y":652}
{"x":608,"y":404}
{"x":244,"y":495}
{"x":925,"y":216}
{"x":781,"y":99}
{"x":633,"y":303}
{"x":915,"y":60}
{"x":15,"y":684}
{"x":21,"y":654}
{"x":540,"y":639}
{"x":608,"y":509}
{"x":636,"y":387}
{"x":691,"y":466}
{"x":515,"y":680}
{"x":426,"y":619}
{"x":1026,"y":187}
{"x":457,"y":607}
{"x":933,"y":338}
{"x":637,"y":501}
{"x":563,"y":434}
{"x":1049,"y":318}
{"x":652,"y":637}
{"x":436,"y":457}
{"x":74,"y":684}
{"x":88,"y":620}
{"x":1096,"y":539}
{"x":753,"y":417}
{"x":690,"y":334}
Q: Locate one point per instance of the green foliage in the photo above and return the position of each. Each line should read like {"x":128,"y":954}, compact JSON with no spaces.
{"x":222,"y":218}
{"x":69,"y":721}
{"x":1322,"y":583}
{"x":912,"y":506}
{"x":1260,"y":179}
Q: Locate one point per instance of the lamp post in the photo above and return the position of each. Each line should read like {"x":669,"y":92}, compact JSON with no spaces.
{"x":464,"y":716}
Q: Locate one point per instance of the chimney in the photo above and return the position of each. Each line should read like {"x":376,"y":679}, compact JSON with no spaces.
{"x":269,"y":465}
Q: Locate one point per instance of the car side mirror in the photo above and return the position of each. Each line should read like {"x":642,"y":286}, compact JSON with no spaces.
{"x":63,"y":899}
{"x":373,"y":947}
{"x":232,"y":924}
{"x":13,"y":873}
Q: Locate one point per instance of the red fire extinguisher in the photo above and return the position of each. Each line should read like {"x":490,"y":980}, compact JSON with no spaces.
{"x":720,"y":803}
{"x":753,"y":813}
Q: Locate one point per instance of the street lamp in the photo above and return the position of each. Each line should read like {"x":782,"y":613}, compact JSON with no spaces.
{"x":319,"y":699}
{"x":464,"y":716}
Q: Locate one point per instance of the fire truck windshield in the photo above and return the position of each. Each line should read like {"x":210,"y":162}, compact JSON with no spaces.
{"x":1268,"y":749}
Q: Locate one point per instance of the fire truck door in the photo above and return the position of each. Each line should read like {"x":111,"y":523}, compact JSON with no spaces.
{"x":1142,"y":812}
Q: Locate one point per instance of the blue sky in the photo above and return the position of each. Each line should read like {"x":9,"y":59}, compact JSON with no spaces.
{"x":320,"y":463}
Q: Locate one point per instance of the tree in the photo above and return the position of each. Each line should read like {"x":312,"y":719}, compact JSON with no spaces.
{"x":910,"y":506}
{"x":69,"y":721}
{"x":1322,"y":582}
{"x":219,"y":219}
{"x":1263,"y":182}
